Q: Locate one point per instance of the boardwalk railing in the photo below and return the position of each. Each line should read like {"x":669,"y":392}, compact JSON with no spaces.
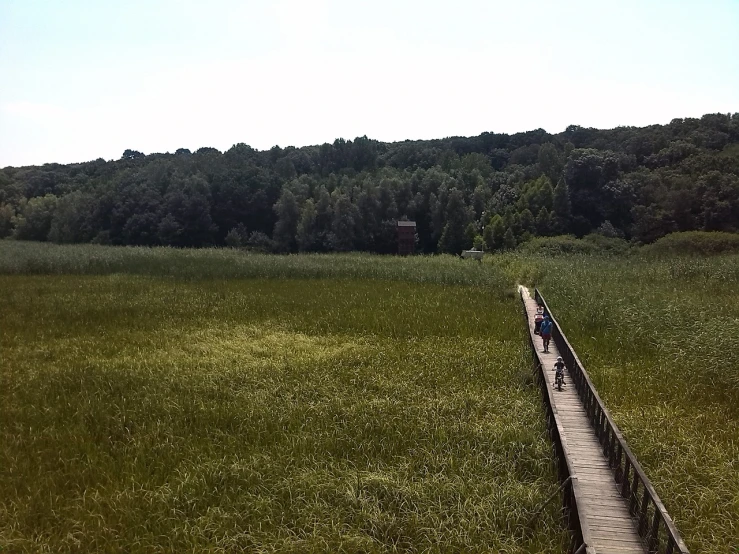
{"x":571,"y":492}
{"x":653,"y":522}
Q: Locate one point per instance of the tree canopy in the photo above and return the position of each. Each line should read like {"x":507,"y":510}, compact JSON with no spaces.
{"x":635,"y":183}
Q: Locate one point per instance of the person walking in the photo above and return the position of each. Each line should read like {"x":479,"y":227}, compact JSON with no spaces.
{"x":546,"y":331}
{"x":538,"y":318}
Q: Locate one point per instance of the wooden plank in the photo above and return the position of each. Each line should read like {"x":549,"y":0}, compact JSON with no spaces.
{"x":586,"y":456}
{"x":624,"y":533}
{"x":608,"y":544}
{"x":611,"y":511}
{"x":592,"y":448}
{"x":598,"y":483}
{"x":613,"y":520}
{"x":606,"y":511}
{"x":596,"y":480}
{"x":604,"y":506}
{"x":613,"y":528}
{"x":599,"y":470}
{"x":617,"y":516}
{"x":586,"y":430}
{"x":609,"y":548}
{"x":617,"y":527}
{"x":596,"y":504}
{"x":590,"y":463}
{"x":623,"y":538}
{"x":592,"y":493}
{"x":598,"y":476}
{"x":587,"y":453}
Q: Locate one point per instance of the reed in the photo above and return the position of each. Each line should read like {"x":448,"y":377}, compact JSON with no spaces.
{"x":170,"y":400}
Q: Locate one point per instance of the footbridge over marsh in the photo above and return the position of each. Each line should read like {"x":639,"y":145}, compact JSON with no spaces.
{"x":611,"y":504}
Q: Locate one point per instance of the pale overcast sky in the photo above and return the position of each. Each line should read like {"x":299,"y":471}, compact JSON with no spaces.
{"x":81,"y":80}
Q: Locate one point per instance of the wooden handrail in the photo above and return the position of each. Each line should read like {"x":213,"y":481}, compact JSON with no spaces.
{"x":651,"y":514}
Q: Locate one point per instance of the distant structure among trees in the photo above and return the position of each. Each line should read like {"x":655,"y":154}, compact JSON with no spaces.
{"x":492,"y":190}
{"x":406,"y":237}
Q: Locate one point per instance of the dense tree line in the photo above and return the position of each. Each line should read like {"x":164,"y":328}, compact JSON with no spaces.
{"x":496,"y":190}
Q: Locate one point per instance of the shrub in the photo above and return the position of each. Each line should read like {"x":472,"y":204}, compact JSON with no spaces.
{"x":605,"y":243}
{"x":260,"y":242}
{"x":702,"y":243}
{"x":563,"y":244}
{"x":567,"y":244}
{"x":238,"y":236}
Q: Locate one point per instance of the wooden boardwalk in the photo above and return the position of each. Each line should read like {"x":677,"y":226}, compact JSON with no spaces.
{"x":612,"y":530}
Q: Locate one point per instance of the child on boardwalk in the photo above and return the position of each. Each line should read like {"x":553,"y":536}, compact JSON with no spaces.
{"x":559,"y":367}
{"x":546,"y":332}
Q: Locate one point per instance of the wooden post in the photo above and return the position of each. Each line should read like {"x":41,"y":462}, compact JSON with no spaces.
{"x":634,"y":490}
{"x":653,"y":542}
{"x":643,"y":514}
{"x":625,"y":486}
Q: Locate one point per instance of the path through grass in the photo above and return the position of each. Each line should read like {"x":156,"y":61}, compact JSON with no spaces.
{"x":659,"y":336}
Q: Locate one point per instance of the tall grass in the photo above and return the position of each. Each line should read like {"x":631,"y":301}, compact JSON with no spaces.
{"x":23,"y":258}
{"x":660,"y":337}
{"x":149,"y":413}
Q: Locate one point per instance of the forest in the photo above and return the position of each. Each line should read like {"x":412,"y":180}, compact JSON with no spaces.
{"x":495,"y":191}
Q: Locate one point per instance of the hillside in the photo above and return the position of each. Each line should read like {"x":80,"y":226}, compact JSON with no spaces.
{"x":636,"y":183}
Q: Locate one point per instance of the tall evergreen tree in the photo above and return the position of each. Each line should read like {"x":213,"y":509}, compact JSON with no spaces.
{"x":324,"y":219}
{"x":543,"y":222}
{"x":286,"y":227}
{"x":494,"y":233}
{"x":7,"y":213}
{"x":528,"y":223}
{"x":453,"y":238}
{"x":470,"y":233}
{"x":306,"y":235}
{"x":550,"y":162}
{"x":509,"y":240}
{"x":561,"y":207}
{"x":368,"y":222}
{"x":343,"y":228}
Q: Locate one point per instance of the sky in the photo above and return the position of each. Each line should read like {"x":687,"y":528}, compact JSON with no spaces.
{"x":81,"y":80}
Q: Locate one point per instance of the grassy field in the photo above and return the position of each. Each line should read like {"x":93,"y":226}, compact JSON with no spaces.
{"x":24,"y":258}
{"x":164,"y":400}
{"x":660,"y":338}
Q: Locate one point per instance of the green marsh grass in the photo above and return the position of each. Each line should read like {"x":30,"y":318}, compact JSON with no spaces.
{"x":660,"y":338}
{"x":24,"y":258}
{"x":366,"y":405}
